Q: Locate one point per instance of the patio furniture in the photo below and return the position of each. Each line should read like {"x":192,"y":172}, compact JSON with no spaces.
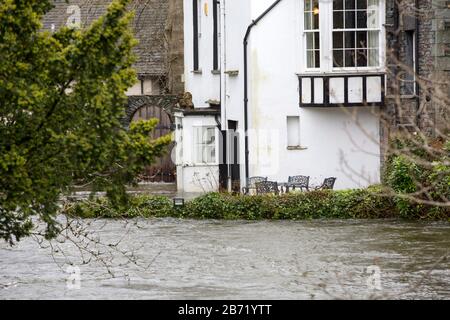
{"x":265,"y":187}
{"x":301,"y":182}
{"x":328,"y":184}
{"x":284,"y":186}
{"x":251,"y":183}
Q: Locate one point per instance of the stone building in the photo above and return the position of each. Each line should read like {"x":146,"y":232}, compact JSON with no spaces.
{"x":418,"y":66}
{"x":158,"y":26}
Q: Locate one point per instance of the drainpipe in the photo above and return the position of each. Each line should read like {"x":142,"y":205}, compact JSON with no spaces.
{"x":223,"y":82}
{"x":247,"y":35}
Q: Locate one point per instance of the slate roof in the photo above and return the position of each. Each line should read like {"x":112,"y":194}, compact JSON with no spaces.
{"x":149,"y":25}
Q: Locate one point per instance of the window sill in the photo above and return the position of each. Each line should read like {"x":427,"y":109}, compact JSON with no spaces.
{"x":357,"y":69}
{"x":298,"y":148}
{"x":343,"y":72}
{"x":215,"y":71}
{"x":191,"y":165}
{"x":232,"y":73}
{"x":197,"y":71}
{"x":408,"y":96}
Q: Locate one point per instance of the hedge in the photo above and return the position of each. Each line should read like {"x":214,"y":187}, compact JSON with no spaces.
{"x":351,"y":204}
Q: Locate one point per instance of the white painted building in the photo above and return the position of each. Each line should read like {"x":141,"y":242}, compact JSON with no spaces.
{"x":301,"y":81}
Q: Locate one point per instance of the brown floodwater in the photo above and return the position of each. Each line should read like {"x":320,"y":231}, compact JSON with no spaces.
{"x":187,"y":259}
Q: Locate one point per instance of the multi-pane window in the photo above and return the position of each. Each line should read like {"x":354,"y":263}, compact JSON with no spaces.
{"x":205,"y":145}
{"x":356,"y":33}
{"x":312,"y":33}
{"x":408,"y":77}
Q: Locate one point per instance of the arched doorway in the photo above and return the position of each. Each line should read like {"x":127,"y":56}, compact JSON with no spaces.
{"x":163,"y":170}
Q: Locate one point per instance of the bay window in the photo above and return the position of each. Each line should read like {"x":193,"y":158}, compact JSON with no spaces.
{"x":348,"y":32}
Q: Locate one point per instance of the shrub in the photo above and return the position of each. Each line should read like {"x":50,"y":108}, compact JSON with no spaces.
{"x":349,"y":204}
{"x":209,"y":206}
{"x":139,"y":206}
{"x":297,"y":206}
{"x":418,"y":175}
{"x":150,"y":206}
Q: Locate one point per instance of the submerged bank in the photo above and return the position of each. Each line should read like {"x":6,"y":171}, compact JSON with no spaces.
{"x":221,"y":259}
{"x":350,"y":204}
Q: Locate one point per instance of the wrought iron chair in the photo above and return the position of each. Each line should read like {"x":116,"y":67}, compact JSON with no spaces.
{"x":301,"y":182}
{"x":328,"y":184}
{"x":265,"y":187}
{"x":251,"y":183}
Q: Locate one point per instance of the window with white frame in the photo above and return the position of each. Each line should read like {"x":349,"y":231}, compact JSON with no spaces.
{"x":312,"y":33}
{"x":205,"y":145}
{"x":356,"y":33}
{"x":342,"y":34}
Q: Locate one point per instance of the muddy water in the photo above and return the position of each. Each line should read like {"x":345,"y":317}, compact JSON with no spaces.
{"x":238,"y":260}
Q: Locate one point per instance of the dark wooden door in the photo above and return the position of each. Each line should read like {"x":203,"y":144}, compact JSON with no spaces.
{"x":233,"y":149}
{"x":163,"y":170}
{"x":223,"y":164}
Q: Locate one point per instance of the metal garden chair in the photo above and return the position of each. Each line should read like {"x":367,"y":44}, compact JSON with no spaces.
{"x":266,"y":187}
{"x":251,"y":183}
{"x":328,"y":184}
{"x":301,"y":182}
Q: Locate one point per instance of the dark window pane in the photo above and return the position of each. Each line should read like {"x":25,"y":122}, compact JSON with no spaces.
{"x":308,"y":4}
{"x":338,"y":40}
{"x":350,"y":58}
{"x":317,"y":55}
{"x":362,"y":19}
{"x":338,"y":20}
{"x":315,"y":3}
{"x":338,"y":58}
{"x":316,"y":40}
{"x":349,"y":39}
{"x":338,"y":4}
{"x":361,"y":39}
{"x":309,"y":41}
{"x":349,"y":19}
{"x":349,"y":4}
{"x":361,"y":4}
{"x":315,"y":21}
{"x":361,"y":57}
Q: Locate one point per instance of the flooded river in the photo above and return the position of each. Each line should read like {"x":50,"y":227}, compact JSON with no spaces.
{"x":175,"y":259}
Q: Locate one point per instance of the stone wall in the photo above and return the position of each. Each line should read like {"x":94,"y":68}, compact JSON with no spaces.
{"x":166,"y":102}
{"x":175,"y":40}
{"x":421,"y":111}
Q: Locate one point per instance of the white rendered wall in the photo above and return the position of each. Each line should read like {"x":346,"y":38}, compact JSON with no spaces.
{"x":194,"y":177}
{"x":151,"y":87}
{"x":333,"y":143}
{"x":237,"y":18}
{"x":203,"y":86}
{"x":135,"y":90}
{"x":337,"y":142}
